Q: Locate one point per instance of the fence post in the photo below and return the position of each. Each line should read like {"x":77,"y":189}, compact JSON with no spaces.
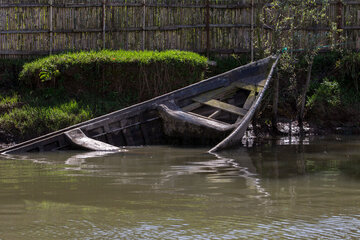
{"x":339,"y":14}
{"x":104,"y":23}
{"x":144,"y":26}
{"x":207,"y":22}
{"x":252,"y":31}
{"x":51,"y":27}
{"x":340,"y":24}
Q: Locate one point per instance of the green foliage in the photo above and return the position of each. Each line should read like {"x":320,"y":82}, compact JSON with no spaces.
{"x":146,"y":73}
{"x":27,"y":122}
{"x":327,"y":93}
{"x":8,"y":100}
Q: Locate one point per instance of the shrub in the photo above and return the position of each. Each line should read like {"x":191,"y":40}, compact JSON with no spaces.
{"x":324,"y":105}
{"x":143,"y":73}
{"x":328,"y":93}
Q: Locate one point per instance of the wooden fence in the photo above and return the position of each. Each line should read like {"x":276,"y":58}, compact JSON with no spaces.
{"x":40,"y":27}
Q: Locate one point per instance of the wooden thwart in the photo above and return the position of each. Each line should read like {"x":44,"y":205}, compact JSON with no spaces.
{"x":226,"y":107}
{"x":249,"y":101}
{"x":207,"y":118}
{"x":210,"y":99}
{"x":219,"y":93}
{"x":256,"y":88}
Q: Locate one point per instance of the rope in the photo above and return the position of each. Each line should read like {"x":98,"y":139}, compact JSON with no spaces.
{"x":286,"y":49}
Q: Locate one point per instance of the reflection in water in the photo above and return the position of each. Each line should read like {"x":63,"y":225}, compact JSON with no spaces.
{"x":294,"y":191}
{"x":80,"y":158}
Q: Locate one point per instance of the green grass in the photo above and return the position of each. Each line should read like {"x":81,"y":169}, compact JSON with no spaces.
{"x":8,"y":100}
{"x":145,"y":73}
{"x":27,"y":122}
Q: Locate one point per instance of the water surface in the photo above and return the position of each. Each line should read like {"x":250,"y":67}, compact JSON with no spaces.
{"x":270,"y":191}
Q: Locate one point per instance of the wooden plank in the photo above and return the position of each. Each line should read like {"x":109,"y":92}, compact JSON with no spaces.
{"x":250,"y":87}
{"x":250,"y":100}
{"x":22,"y":5}
{"x":191,"y":107}
{"x":51,"y":26}
{"x":104,"y":23}
{"x":207,"y":118}
{"x":79,"y":139}
{"x":219,"y":93}
{"x":149,"y":28}
{"x":144,"y":26}
{"x":215,"y":114}
{"x":226,"y":107}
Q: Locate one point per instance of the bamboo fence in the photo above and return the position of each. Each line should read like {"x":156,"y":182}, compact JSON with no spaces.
{"x":41,"y":27}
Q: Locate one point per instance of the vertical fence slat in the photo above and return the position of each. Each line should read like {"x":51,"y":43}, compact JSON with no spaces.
{"x":144,"y":25}
{"x":252,"y":31}
{"x":51,"y":27}
{"x":207,"y":22}
{"x":104,"y":23}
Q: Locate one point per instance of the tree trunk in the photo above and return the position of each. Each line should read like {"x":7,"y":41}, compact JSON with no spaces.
{"x":275,"y":104}
{"x":303,"y":97}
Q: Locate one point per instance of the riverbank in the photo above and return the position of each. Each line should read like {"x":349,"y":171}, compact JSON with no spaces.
{"x":62,"y":90}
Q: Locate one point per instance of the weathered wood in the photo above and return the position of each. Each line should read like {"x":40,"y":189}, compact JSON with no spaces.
{"x":250,"y":100}
{"x":51,"y":26}
{"x":215,"y":114}
{"x":207,"y":22}
{"x":189,"y":125}
{"x":219,"y":93}
{"x":209,"y":119}
{"x":252,"y":31}
{"x":104,"y":23}
{"x":225,"y":107}
{"x":192,"y":107}
{"x":80,"y":140}
{"x":144,"y":26}
{"x":246,"y":86}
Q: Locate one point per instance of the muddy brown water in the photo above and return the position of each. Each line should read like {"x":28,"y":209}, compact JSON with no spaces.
{"x":309,"y":190}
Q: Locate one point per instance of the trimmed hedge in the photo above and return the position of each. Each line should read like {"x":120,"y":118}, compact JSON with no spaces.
{"x":141,"y":74}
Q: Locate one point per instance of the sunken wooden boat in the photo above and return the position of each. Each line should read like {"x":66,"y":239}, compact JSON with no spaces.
{"x":215,"y":111}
